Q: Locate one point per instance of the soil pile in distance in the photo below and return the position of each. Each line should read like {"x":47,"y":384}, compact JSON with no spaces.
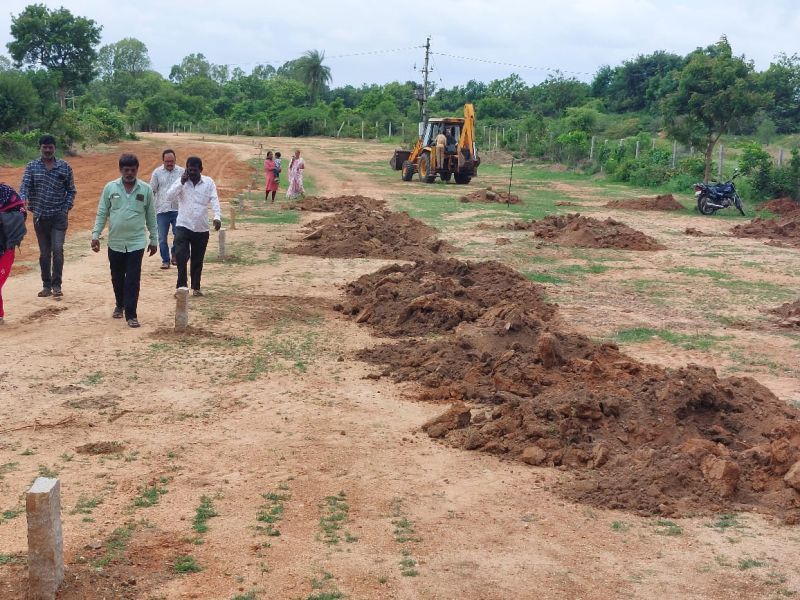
{"x":436,"y":296}
{"x":789,"y":313}
{"x":586,"y":232}
{"x":780,"y":231}
{"x":633,"y":436}
{"x":357,"y":232}
{"x":696,"y":232}
{"x":488,"y":195}
{"x":780,"y":206}
{"x":662,"y":202}
{"x":335,"y":204}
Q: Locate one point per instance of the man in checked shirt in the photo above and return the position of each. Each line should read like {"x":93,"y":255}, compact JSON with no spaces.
{"x":48,"y":189}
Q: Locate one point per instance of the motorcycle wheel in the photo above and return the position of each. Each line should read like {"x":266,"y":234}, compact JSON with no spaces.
{"x":738,"y":203}
{"x":703,"y":207}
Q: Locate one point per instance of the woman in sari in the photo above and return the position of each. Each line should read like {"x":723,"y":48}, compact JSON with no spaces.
{"x":296,"y":167}
{"x":12,"y":230}
{"x":270,"y":169}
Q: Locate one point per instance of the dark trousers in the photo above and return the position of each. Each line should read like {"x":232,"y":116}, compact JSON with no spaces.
{"x":51,"y":233}
{"x":126,"y":275}
{"x":190,"y":243}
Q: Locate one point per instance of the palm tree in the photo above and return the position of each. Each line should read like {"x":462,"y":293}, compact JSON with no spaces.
{"x":313,"y":73}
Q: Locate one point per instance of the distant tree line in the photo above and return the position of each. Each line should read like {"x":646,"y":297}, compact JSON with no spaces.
{"x":60,"y":81}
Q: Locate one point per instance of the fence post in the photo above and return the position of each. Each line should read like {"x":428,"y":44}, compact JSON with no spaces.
{"x":403,"y":130}
{"x":637,"y":149}
{"x":377,"y":124}
{"x":674,"y":152}
{"x":390,"y":129}
{"x":721,"y":159}
{"x":780,"y":157}
{"x":591,"y":149}
{"x":362,"y":131}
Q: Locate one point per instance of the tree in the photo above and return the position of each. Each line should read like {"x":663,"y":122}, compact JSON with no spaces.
{"x":58,"y":41}
{"x":194,"y":65}
{"x":128,"y":56}
{"x":18,"y":100}
{"x":782,"y":80}
{"x":714,"y":90}
{"x":313,"y":73}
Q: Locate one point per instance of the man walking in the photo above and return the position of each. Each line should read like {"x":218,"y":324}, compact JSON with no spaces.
{"x":49,"y":192}
{"x":127,"y":204}
{"x":166,"y":212}
{"x":193,"y":192}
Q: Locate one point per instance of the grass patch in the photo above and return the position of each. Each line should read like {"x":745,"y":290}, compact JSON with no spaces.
{"x":186,"y":564}
{"x":408,"y":564}
{"x":270,"y":216}
{"x":404,"y":531}
{"x":11,"y":513}
{"x":93,"y":378}
{"x":334,"y":511}
{"x":543,"y":277}
{"x":694,"y":341}
{"x":590,"y":269}
{"x":150,"y":494}
{"x":750,"y":563}
{"x":271,"y":513}
{"x":45,"y":471}
{"x":7,"y":468}
{"x":202,"y":514}
{"x":115,"y":545}
{"x":85,"y":505}
{"x":726,"y":521}
{"x":620,"y":526}
{"x":10,"y":559}
{"x":667,"y":527}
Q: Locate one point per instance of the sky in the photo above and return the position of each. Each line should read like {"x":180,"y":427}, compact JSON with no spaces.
{"x":377,"y":42}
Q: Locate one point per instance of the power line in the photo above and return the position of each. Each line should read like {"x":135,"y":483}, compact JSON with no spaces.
{"x":506,"y":64}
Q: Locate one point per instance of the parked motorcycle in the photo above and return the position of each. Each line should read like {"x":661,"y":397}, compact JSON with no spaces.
{"x":712,"y":197}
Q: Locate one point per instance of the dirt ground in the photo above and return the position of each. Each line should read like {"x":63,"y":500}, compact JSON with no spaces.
{"x":319,"y":473}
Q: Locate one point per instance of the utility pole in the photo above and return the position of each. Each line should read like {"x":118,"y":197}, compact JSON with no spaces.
{"x":422,"y":93}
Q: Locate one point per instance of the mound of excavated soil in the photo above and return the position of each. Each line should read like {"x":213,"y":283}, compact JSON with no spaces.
{"x":357,"y":233}
{"x":587,"y":232}
{"x":491,"y":196}
{"x":780,"y":206}
{"x":780,"y":231}
{"x":335,"y":204}
{"x":634,"y":436}
{"x":696,"y":232}
{"x":789,"y":313}
{"x":437,"y":296}
{"x":663,"y":202}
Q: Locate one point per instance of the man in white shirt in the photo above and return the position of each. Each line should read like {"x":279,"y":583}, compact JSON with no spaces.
{"x":193,"y":193}
{"x":166,"y":212}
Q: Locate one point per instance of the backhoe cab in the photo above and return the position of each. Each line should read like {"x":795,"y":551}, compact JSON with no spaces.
{"x":459,"y":160}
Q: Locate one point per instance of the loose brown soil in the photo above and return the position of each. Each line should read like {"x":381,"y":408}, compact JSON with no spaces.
{"x":789,"y":313}
{"x":693,"y":231}
{"x":780,"y":231}
{"x":335,"y":204}
{"x":436,"y":297}
{"x":638,"y":436}
{"x":780,"y":206}
{"x":587,"y":232}
{"x":491,"y":196}
{"x":358,"y":233}
{"x":664,"y":202}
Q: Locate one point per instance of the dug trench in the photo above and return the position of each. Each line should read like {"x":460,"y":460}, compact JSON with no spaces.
{"x":523,"y":385}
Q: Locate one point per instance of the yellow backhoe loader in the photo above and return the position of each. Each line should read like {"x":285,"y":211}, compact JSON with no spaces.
{"x":458,"y":161}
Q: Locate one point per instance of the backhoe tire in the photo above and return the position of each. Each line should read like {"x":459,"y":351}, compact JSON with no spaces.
{"x":407,"y":173}
{"x":462,"y":179}
{"x":424,"y":168}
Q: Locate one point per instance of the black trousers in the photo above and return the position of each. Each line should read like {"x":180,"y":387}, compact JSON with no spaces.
{"x":126,"y":276}
{"x":190,"y":243}
{"x":51,"y":233}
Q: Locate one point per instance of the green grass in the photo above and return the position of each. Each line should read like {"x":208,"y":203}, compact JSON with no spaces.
{"x":149,"y":495}
{"x":408,"y":565}
{"x":543,"y":277}
{"x":694,"y":341}
{"x":251,"y":595}
{"x":93,"y":378}
{"x":726,"y":521}
{"x":186,"y":564}
{"x":269,"y":216}
{"x":115,"y":545}
{"x":271,"y":513}
{"x":85,"y":505}
{"x":619,"y":526}
{"x":45,"y":471}
{"x":750,"y":563}
{"x":8,"y":559}
{"x":404,"y":531}
{"x":334,"y":511}
{"x":202,"y":514}
{"x":7,"y":468}
{"x":11,"y":513}
{"x":668,"y":528}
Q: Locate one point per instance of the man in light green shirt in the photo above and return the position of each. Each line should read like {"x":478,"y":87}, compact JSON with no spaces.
{"x":127,"y":204}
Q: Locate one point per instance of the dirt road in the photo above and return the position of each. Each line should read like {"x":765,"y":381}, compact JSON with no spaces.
{"x":318,"y":474}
